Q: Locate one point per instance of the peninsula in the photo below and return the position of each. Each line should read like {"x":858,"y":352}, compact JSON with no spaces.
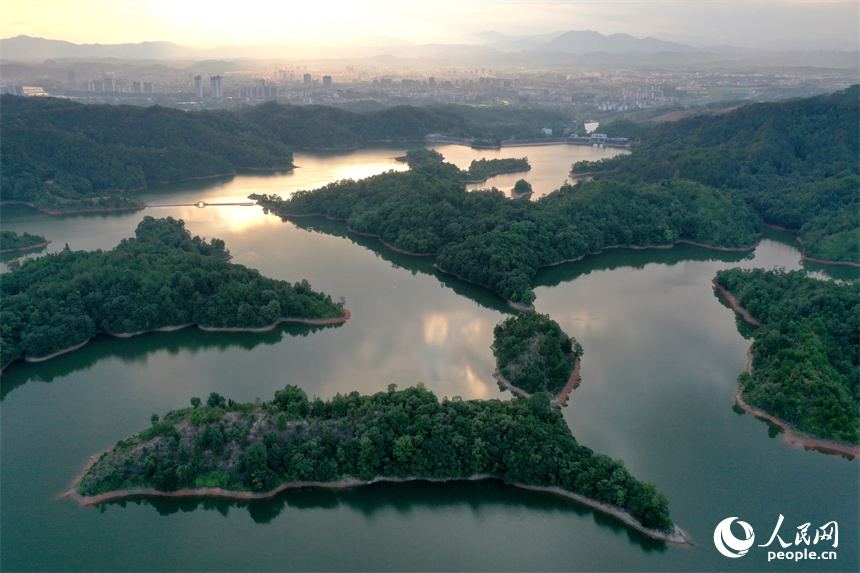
{"x":801,"y":176}
{"x":805,"y":366}
{"x":11,"y":242}
{"x":485,"y":238}
{"x":162,"y":279}
{"x":253,"y":450}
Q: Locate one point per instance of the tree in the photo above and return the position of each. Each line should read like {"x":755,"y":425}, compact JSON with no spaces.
{"x":522,"y":186}
{"x":215,"y":400}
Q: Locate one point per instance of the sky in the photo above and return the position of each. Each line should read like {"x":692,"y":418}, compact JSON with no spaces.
{"x":208,"y":23}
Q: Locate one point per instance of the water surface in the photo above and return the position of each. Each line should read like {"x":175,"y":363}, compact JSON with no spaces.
{"x":662,"y":354}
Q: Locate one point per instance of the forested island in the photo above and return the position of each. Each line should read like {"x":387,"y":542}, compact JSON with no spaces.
{"x":241,"y":449}
{"x":794,"y":163}
{"x":11,"y":241}
{"x":479,"y":170}
{"x":806,"y":355}
{"x":533,"y":354}
{"x":162,"y":279}
{"x":61,"y":156}
{"x":485,"y":238}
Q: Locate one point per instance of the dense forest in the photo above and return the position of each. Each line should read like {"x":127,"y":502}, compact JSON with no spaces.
{"x":396,"y":434}
{"x":806,"y":359}
{"x":534,"y":354}
{"x":485,"y":238}
{"x":10,"y":241}
{"x":319,"y":126}
{"x":64,"y":156}
{"x":162,"y":277}
{"x":796,"y":163}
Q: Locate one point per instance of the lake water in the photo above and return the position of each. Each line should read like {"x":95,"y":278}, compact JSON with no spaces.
{"x":662,"y":355}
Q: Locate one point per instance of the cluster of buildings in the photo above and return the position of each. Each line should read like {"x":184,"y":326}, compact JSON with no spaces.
{"x":585,"y":92}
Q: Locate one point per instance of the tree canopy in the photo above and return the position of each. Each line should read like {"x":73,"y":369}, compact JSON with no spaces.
{"x":485,"y":238}
{"x":534,"y":354}
{"x":396,"y":434}
{"x":795,"y":163}
{"x":806,"y":359}
{"x":162,"y":277}
{"x":10,"y":240}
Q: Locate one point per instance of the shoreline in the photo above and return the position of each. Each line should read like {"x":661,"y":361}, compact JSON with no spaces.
{"x":351,"y":230}
{"x":790,"y":434}
{"x":27,"y":248}
{"x":312,"y":321}
{"x":559,"y":399}
{"x":811,"y":259}
{"x":677,"y":535}
{"x":140,"y":206}
{"x":493,"y":174}
{"x":733,"y":302}
{"x":518,"y":306}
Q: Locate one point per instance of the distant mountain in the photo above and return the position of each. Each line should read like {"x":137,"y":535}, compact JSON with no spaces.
{"x":507,"y":43}
{"x":585,"y":41}
{"x":28,"y":48}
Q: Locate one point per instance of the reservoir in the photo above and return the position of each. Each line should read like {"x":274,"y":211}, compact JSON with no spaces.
{"x":661,"y":357}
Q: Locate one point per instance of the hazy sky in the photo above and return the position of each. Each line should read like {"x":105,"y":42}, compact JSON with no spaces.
{"x":217,"y":22}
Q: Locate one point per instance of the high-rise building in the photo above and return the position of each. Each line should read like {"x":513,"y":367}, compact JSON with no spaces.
{"x":147,"y":88}
{"x":306,"y":79}
{"x":136,"y":87}
{"x":72,"y":83}
{"x":431,"y":82}
{"x":110,"y":86}
{"x":198,"y":86}
{"x":327,"y":82}
{"x":216,"y":87}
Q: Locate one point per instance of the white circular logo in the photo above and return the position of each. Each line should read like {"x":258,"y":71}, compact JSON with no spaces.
{"x":726,"y":542}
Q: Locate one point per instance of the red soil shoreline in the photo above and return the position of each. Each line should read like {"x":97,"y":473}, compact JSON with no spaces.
{"x":677,"y":535}
{"x":733,"y":302}
{"x":559,"y":399}
{"x":810,"y":259}
{"x":792,"y":436}
{"x":27,"y":248}
{"x":313,"y":321}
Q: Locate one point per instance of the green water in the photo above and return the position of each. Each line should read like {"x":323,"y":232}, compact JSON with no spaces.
{"x":662,"y":354}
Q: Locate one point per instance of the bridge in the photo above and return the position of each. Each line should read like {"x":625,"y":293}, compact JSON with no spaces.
{"x":202,"y":204}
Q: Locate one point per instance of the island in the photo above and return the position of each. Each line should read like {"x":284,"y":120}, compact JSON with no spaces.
{"x":254,"y":450}
{"x":534,"y":355}
{"x":804,"y":373}
{"x":479,"y":170}
{"x":522,"y":188}
{"x":11,"y":242}
{"x":162,"y":279}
